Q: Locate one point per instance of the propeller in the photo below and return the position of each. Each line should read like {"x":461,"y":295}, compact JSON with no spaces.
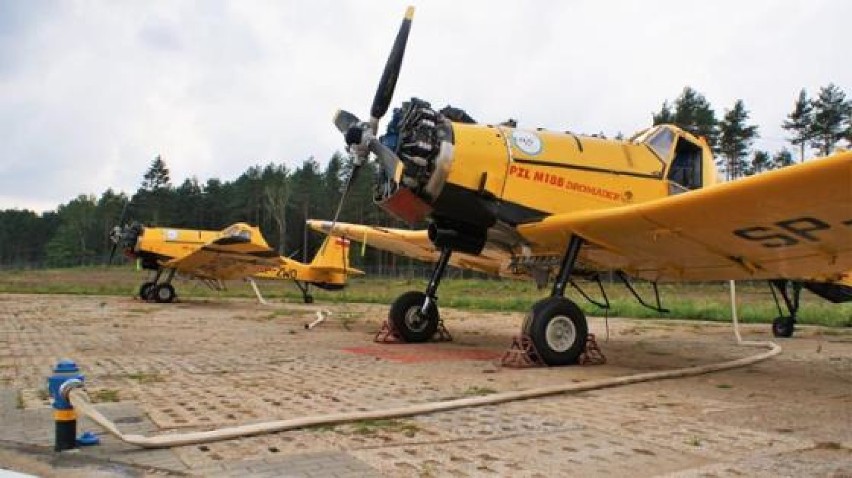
{"x":116,"y":233}
{"x":360,"y":136}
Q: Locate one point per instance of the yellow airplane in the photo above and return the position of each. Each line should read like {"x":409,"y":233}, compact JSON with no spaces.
{"x":236,"y":252}
{"x":553,"y":205}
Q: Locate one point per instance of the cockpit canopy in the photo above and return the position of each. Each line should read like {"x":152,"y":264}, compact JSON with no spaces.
{"x":679,"y":151}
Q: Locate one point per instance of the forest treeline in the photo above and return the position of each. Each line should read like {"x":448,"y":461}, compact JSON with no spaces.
{"x":279,"y":198}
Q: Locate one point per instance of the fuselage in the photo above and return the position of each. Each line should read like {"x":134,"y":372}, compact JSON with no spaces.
{"x":470,"y":179}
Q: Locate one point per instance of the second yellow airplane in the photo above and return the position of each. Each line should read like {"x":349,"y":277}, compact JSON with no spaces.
{"x":237,"y":252}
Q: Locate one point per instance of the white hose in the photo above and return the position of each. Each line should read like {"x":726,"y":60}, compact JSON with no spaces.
{"x":80,"y":400}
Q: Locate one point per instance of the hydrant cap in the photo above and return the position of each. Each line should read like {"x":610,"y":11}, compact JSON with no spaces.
{"x":66,"y":366}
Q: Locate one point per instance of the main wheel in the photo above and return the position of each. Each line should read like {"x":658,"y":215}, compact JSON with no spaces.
{"x":145,"y":289}
{"x":783,"y":326}
{"x":558,"y":329}
{"x":163,"y":293}
{"x":406,"y":318}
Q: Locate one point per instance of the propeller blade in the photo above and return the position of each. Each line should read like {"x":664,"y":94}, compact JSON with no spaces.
{"x":387,"y":84}
{"x":112,"y":253}
{"x":387,"y":158}
{"x":349,"y":182}
{"x":345,"y":120}
{"x":123,"y":215}
{"x":115,"y":234}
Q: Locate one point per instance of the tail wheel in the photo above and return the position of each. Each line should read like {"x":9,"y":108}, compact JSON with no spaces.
{"x":558,"y":329}
{"x":406,"y":317}
{"x":164,"y":293}
{"x":145,"y":290}
{"x":783,"y":326}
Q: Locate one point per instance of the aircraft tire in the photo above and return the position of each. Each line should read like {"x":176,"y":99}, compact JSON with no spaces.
{"x":558,"y":329}
{"x":145,"y":290}
{"x":309,"y":299}
{"x":783,"y":327}
{"x":164,"y":293}
{"x":405,"y":317}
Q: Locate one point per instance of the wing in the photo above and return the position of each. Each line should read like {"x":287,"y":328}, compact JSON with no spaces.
{"x":790,"y":223}
{"x":227,"y":258}
{"x":414,"y":244}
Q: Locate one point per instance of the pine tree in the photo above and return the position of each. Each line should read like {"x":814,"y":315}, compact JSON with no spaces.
{"x":735,"y":140}
{"x":693,"y":113}
{"x":665,"y":116}
{"x":782,"y":159}
{"x":800,"y":123}
{"x":157,"y":176}
{"x":832,"y":112}
{"x":760,"y":162}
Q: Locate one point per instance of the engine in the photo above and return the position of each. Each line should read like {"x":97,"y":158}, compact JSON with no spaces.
{"x":423,"y":139}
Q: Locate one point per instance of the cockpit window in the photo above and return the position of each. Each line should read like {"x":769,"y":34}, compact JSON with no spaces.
{"x":661,"y":142}
{"x":238,"y":232}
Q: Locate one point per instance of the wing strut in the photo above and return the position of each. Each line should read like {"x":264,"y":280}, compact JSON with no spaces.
{"x":626,"y":280}
{"x":605,"y":305}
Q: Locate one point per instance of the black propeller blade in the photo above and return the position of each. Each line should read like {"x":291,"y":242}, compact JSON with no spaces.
{"x":387,"y":84}
{"x":361,"y":137}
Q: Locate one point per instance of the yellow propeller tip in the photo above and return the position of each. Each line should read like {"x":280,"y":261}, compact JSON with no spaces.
{"x":409,"y":12}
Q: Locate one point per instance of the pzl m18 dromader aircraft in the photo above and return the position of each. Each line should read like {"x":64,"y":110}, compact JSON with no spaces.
{"x":236,"y":252}
{"x":552,"y":205}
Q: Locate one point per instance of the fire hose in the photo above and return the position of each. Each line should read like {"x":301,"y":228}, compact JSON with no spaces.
{"x":81,"y":402}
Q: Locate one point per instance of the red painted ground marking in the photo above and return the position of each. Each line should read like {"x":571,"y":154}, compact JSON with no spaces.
{"x":413,"y":353}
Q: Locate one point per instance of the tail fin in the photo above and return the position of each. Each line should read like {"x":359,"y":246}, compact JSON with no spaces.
{"x":333,"y":256}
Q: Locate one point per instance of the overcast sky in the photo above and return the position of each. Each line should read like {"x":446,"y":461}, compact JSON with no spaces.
{"x":91,"y":91}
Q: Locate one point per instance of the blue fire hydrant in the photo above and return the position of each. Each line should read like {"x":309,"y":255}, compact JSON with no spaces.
{"x":66,"y":376}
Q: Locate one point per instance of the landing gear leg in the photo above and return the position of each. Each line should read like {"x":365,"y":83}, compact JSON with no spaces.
{"x":556,"y":325}
{"x":414,"y":315}
{"x":304,"y":287}
{"x":784,"y":326}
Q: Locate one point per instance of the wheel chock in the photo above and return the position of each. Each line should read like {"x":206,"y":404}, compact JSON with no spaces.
{"x":387,"y":334}
{"x":442,"y":334}
{"x":521,"y":354}
{"x":593,"y":354}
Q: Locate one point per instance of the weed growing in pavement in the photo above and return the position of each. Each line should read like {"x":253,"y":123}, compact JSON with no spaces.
{"x":477,"y":391}
{"x":145,"y":377}
{"x":372,"y":427}
{"x":104,"y":395}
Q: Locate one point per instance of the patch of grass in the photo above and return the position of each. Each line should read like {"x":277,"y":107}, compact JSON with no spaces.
{"x":477,"y":391}
{"x":373,"y":427}
{"x":19,"y":401}
{"x":104,"y":395}
{"x":693,"y":441}
{"x":145,"y":377}
{"x":703,"y":301}
{"x":346,"y":320}
{"x":324,"y":428}
{"x":724,"y":385}
{"x":43,"y":394}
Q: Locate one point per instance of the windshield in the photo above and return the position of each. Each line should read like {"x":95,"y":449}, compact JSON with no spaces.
{"x":661,"y":141}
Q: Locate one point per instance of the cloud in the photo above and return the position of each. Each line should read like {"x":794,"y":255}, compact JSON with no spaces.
{"x":91,"y":92}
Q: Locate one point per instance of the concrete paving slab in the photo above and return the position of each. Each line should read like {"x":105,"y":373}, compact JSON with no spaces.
{"x":202,"y":365}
